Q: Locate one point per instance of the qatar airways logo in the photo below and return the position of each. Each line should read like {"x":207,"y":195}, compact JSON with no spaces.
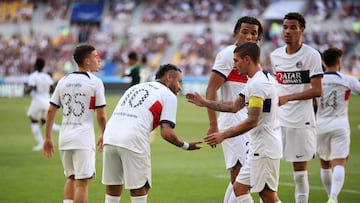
{"x":294,"y":77}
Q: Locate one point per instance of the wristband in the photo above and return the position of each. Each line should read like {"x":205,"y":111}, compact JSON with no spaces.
{"x":185,"y":146}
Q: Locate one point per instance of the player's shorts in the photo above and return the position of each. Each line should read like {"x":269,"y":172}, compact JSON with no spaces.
{"x":124,"y":167}
{"x":38,"y":110}
{"x":235,"y":150}
{"x":260,"y":172}
{"x":299,"y":144}
{"x":78,"y":162}
{"x":334,"y":144}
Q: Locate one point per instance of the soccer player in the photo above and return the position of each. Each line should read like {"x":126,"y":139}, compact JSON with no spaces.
{"x":79,"y":94}
{"x":143,"y":107}
{"x":134,"y":68}
{"x":226,"y":81}
{"x":261,"y":170}
{"x":299,"y":73}
{"x":333,"y":129}
{"x":40,"y":85}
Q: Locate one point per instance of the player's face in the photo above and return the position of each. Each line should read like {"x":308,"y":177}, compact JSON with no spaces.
{"x":175,"y":83}
{"x":247,"y":32}
{"x":93,"y":61}
{"x":239,"y":64}
{"x":292,"y":31}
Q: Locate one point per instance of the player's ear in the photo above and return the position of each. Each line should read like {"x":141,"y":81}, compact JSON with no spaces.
{"x":247,"y":59}
{"x":169,"y":76}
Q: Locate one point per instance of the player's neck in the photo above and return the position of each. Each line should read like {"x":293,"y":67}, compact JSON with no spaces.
{"x":256,"y":68}
{"x":332,"y":69}
{"x":82,"y":69}
{"x":293,"y":48}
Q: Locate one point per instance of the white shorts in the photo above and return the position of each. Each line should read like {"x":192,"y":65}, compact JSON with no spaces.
{"x":121,"y":166}
{"x":78,"y":162}
{"x":334,"y":144}
{"x":38,"y":110}
{"x":235,"y":150}
{"x":260,"y":172}
{"x":299,"y":144}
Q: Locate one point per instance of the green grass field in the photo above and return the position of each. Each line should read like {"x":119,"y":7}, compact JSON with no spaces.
{"x":178,"y":176}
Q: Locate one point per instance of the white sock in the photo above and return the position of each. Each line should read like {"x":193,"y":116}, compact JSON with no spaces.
{"x":326,"y":175}
{"x":56,"y":127}
{"x":337,"y":181}
{"x":244,"y":199}
{"x":301,"y":186}
{"x":68,"y":201}
{"x":112,"y":199}
{"x":138,"y":199}
{"x":37,"y":133}
{"x":228,"y":192}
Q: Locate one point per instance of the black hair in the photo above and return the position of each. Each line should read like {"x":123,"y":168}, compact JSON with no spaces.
{"x":163,"y":69}
{"x":331,"y":55}
{"x":250,"y":49}
{"x":81,"y":52}
{"x":296,"y":16}
{"x":39,"y":64}
{"x":249,"y":20}
{"x":133,"y":56}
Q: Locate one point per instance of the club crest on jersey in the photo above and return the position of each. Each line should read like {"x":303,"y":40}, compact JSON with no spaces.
{"x":293,"y":77}
{"x":299,"y":64}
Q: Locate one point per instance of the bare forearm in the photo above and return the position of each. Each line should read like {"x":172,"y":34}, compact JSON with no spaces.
{"x":101,"y":119}
{"x":50,"y":119}
{"x":219,"y":106}
{"x":314,"y":91}
{"x":168,"y":134}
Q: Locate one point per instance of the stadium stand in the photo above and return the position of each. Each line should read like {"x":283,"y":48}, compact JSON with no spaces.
{"x":187,"y":33}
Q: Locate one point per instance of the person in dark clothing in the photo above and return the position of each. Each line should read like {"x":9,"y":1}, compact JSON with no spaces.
{"x":134,"y":68}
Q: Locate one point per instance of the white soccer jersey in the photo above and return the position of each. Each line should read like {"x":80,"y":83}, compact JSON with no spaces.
{"x":139,"y":111}
{"x":229,"y":91}
{"x":266,"y":137}
{"x":293,"y":73}
{"x":79,"y":94}
{"x":332,"y":110}
{"x":234,"y":149}
{"x":42,"y":82}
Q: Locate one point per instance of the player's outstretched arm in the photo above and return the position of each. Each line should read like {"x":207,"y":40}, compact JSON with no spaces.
{"x":198,"y":100}
{"x":254,"y":115}
{"x":168,"y":134}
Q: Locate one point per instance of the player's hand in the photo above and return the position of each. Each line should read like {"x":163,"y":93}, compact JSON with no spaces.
{"x":283,"y":100}
{"x":195,"y":145}
{"x":100,"y":143}
{"x":214,"y":139}
{"x":196,"y":99}
{"x":48,"y":147}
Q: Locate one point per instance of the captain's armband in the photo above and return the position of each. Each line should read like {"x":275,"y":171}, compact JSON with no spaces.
{"x":256,"y":102}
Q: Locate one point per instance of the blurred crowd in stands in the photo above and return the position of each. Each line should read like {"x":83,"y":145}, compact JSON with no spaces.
{"x":196,"y":51}
{"x":182,"y":11}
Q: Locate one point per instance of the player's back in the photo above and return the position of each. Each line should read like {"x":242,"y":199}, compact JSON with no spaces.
{"x":138,"y":112}
{"x":337,"y":88}
{"x":42,"y":83}
{"x":78,"y":93}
